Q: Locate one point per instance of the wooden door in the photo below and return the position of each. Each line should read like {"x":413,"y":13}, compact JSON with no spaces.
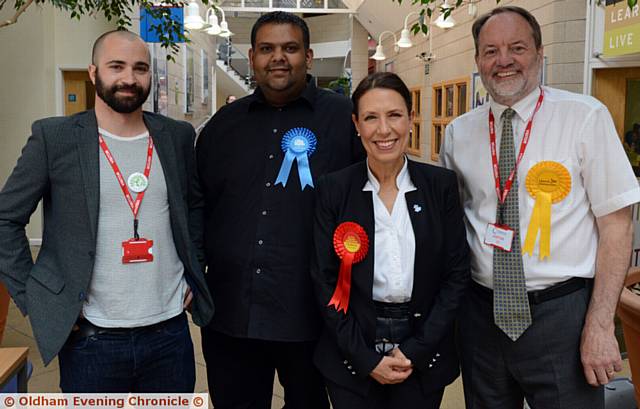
{"x":617,"y":88}
{"x":79,"y":92}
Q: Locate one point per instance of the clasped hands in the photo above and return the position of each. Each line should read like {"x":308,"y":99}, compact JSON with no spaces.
{"x":392,"y":369}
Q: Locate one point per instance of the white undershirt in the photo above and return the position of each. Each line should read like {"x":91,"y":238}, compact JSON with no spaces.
{"x":394,"y":242}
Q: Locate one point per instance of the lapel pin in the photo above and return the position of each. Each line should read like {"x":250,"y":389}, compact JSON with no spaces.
{"x":417,"y":208}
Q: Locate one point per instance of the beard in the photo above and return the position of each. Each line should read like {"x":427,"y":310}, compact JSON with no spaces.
{"x":122,"y":104}
{"x":518,"y":86}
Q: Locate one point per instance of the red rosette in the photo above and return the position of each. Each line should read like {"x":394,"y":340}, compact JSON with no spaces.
{"x":351,"y":244}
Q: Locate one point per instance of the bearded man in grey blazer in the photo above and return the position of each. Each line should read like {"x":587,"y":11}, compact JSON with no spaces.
{"x":121,"y":259}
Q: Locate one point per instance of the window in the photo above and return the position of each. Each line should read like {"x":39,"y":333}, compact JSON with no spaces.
{"x":449,"y":101}
{"x":204,"y":64}
{"x":189,"y":78}
{"x":416,"y":127}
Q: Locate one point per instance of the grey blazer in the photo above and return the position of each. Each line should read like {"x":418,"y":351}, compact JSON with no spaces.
{"x":60,"y":165}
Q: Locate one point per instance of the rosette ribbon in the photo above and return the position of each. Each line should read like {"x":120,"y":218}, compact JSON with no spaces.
{"x":547,"y":182}
{"x":351,"y":244}
{"x":297,"y":144}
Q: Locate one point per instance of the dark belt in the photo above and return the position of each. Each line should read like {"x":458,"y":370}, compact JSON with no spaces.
{"x":87,"y":329}
{"x":393,"y":325}
{"x":539,"y":296}
{"x":392,"y":310}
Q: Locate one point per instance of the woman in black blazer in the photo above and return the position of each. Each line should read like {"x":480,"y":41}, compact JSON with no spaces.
{"x":390,"y":299}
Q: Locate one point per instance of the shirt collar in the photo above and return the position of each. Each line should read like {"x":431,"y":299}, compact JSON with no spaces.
{"x":403,"y":180}
{"x":308,"y":95}
{"x":524,"y":108}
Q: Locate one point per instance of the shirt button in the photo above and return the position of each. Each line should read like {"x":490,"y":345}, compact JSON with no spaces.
{"x":275,"y":130}
{"x":81,"y":296}
{"x":264,"y":212}
{"x":260,"y":242}
{"x":268,"y":184}
{"x":271,"y":156}
{"x":258,"y":271}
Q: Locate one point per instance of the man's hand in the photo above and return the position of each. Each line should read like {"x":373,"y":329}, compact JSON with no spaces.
{"x":392,"y":369}
{"x":188,"y":298}
{"x":598,"y":347}
{"x":600,"y":353}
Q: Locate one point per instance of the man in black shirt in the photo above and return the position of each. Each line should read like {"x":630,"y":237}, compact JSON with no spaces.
{"x":258,"y":160}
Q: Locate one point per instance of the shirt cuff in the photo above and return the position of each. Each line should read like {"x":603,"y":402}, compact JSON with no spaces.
{"x":617,"y":203}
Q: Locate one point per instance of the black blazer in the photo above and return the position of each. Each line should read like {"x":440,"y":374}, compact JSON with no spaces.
{"x":346,"y":353}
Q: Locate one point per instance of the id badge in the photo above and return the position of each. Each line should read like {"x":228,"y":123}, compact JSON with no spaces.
{"x":137,"y":251}
{"x":499,"y":236}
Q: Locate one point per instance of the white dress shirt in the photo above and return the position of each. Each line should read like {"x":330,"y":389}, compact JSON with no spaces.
{"x":394,"y":242}
{"x":575,"y":130}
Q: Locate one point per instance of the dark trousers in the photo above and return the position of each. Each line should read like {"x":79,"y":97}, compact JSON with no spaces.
{"x":405,"y":395}
{"x":543,"y":365}
{"x":154,"y":359}
{"x":241,"y":371}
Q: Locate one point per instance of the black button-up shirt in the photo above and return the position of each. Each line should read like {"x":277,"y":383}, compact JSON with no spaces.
{"x":258,"y":235}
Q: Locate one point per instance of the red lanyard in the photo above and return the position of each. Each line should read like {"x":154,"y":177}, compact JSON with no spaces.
{"x":502,"y":195}
{"x":135,"y":206}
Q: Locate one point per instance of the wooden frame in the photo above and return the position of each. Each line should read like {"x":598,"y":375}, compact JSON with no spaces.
{"x":448,"y":102}
{"x":415,"y":138}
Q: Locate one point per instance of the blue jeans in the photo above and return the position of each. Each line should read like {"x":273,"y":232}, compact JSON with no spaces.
{"x":154,"y":359}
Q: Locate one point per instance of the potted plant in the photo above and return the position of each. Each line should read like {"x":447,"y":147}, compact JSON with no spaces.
{"x":341,"y":85}
{"x":629,"y":313}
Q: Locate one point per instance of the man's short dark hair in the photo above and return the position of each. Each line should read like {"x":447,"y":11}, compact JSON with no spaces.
{"x":97,"y":45}
{"x":533,"y":23}
{"x":281,"y":17}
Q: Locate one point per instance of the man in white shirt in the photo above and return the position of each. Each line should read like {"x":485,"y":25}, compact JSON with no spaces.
{"x":549,"y":257}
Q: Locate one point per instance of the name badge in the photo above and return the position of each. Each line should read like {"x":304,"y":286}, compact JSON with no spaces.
{"x":137,"y":251}
{"x":499,"y":236}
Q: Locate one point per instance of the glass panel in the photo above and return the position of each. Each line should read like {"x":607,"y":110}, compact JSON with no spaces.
{"x":439,"y":102}
{"x":437,"y":140}
{"x":284,"y":3}
{"x":310,"y":4}
{"x":462,"y":99}
{"x":336,"y":4}
{"x":449,"y":90}
{"x":414,"y":143}
{"x":632,"y":124}
{"x":416,"y":102}
{"x":189,"y":82}
{"x":235,"y":60}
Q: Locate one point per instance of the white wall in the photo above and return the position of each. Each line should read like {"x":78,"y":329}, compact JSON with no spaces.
{"x":33,"y":51}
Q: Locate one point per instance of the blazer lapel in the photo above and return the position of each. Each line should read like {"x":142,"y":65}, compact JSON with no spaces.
{"x":419,"y":215}
{"x":88,"y":153}
{"x":164,"y":149}
{"x":363,"y":214}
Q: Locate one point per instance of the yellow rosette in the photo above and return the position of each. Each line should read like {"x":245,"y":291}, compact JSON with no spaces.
{"x":547,"y":182}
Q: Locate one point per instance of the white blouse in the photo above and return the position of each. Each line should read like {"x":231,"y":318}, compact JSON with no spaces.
{"x":394,"y":242}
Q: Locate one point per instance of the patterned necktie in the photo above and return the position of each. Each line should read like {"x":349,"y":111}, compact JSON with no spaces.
{"x":510,"y":302}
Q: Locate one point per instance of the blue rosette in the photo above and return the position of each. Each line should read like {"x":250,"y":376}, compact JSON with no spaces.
{"x":297,"y":144}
